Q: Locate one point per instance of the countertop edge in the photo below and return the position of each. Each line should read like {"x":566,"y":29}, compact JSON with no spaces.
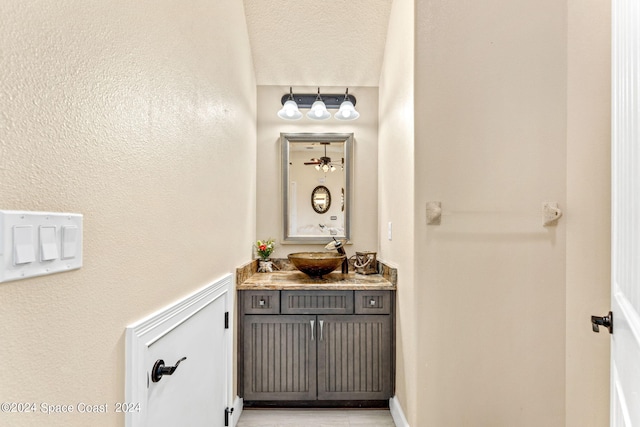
{"x":326,"y":287}
{"x":247,"y":278}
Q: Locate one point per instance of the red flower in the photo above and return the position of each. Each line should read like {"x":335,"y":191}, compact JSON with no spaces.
{"x":263,"y":247}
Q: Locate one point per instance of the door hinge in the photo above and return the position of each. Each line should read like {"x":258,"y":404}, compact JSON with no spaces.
{"x":226,"y":320}
{"x":227,"y":413}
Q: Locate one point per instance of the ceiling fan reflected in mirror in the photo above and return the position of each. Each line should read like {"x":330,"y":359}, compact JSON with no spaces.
{"x":324,"y":163}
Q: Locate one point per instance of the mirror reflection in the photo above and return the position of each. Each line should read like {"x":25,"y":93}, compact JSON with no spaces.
{"x":316,"y":168}
{"x":321,"y":199}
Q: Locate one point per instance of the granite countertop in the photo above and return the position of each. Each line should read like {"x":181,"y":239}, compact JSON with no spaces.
{"x":297,"y":280}
{"x":290,"y":279}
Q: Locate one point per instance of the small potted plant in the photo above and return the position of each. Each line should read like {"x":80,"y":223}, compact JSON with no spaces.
{"x":264,"y":249}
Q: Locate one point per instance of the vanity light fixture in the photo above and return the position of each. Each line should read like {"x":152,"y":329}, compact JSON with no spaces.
{"x":289,"y":110}
{"x":318,"y":105}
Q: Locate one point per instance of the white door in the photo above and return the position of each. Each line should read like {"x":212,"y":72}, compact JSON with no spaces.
{"x":625,"y":276}
{"x":195,"y":395}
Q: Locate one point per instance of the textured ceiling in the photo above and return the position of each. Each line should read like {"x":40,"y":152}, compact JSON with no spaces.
{"x":319,"y":42}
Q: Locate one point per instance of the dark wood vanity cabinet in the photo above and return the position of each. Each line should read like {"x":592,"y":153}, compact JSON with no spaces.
{"x":316,"y":345}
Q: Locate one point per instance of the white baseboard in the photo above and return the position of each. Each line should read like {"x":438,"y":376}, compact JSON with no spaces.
{"x":396,"y":413}
{"x":238,"y":404}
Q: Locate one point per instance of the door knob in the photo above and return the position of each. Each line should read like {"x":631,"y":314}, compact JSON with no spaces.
{"x":159,"y":370}
{"x":606,"y":321}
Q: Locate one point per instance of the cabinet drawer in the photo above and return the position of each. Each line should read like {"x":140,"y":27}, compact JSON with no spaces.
{"x":373,"y":302}
{"x":317,"y":302}
{"x":261,"y":302}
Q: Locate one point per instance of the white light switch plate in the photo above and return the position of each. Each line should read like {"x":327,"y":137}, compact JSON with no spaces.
{"x":39,"y":243}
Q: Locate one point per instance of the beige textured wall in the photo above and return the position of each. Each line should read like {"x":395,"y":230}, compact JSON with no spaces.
{"x":365,"y":162}
{"x":588,"y":219}
{"x":141,"y":116}
{"x":491,"y":126}
{"x":396,"y":193}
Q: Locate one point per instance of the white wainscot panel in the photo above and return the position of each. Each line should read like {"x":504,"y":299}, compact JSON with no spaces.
{"x":198,"y":392}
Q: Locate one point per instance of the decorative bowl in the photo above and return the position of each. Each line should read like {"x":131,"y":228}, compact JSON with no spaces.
{"x":316,"y":264}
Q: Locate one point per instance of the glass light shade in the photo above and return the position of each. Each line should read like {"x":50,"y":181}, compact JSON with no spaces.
{"x":318,"y":111}
{"x":325,"y":168}
{"x":289,"y":111}
{"x":347,"y":111}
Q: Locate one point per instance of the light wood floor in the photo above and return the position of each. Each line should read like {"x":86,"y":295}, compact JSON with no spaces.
{"x":315,"y":418}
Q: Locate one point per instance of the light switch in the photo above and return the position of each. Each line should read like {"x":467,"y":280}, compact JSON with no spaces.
{"x":23,"y":249}
{"x":48,"y":244}
{"x":39,"y":243}
{"x":69,"y":240}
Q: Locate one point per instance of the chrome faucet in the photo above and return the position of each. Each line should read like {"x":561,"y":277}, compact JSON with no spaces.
{"x":339,"y":246}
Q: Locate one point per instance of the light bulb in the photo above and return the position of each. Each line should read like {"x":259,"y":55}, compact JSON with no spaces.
{"x":317,"y":167}
{"x":318,"y":111}
{"x":347,"y":111}
{"x":325,"y":168}
{"x":290,"y":111}
{"x":333,"y":168}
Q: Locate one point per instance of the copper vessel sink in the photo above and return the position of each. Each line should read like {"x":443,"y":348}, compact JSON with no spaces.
{"x":316,"y":264}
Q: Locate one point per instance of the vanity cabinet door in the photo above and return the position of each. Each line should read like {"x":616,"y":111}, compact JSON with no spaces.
{"x":279,"y":357}
{"x":354,"y":357}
